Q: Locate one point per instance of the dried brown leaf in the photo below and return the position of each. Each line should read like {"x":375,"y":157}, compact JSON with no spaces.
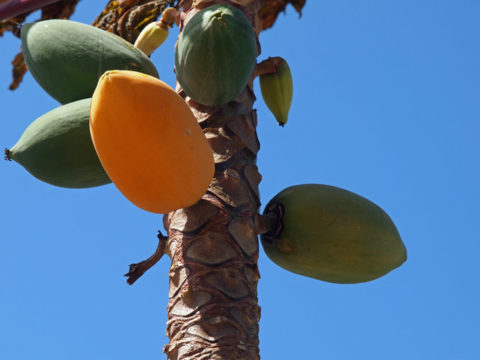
{"x":127,"y":18}
{"x":59,"y":10}
{"x":18,"y":71}
{"x":271,"y":8}
{"x":13,"y":25}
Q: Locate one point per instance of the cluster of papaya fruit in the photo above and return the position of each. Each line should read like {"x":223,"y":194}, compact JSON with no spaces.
{"x":216,"y":56}
{"x":119,"y":123}
{"x":319,"y":231}
{"x":71,"y":61}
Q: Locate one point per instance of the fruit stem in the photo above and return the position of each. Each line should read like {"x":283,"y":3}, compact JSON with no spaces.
{"x":170,"y":16}
{"x":267,"y":223}
{"x":268,"y":66}
{"x":7,"y":154}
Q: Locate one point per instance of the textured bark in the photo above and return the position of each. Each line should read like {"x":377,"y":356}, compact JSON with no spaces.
{"x":213,"y":310}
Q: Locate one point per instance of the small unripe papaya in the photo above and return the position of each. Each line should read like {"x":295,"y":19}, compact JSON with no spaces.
{"x":331,"y":234}
{"x":277,"y":90}
{"x":151,"y":37}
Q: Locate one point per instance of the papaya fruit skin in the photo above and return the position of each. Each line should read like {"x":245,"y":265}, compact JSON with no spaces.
{"x":332,"y":234}
{"x":215,"y":55}
{"x":152,"y":37}
{"x":149,"y":142}
{"x":57,"y":148}
{"x":67,"y":58}
{"x":277,"y":91}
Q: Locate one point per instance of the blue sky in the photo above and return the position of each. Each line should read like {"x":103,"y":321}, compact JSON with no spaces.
{"x":386,"y":104}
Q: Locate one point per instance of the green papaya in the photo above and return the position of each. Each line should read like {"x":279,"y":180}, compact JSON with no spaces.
{"x":331,"y":234}
{"x":277,"y":90}
{"x":67,"y":58}
{"x":215,"y":55}
{"x":57,"y":148}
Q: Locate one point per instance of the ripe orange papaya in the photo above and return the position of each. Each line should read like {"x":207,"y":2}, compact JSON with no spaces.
{"x":331,"y":234}
{"x":149,"y":142}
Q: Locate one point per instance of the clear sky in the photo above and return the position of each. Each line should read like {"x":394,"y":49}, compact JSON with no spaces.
{"x":386,"y":104}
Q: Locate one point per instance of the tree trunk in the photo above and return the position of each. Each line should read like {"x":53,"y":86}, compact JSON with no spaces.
{"x":213,"y":310}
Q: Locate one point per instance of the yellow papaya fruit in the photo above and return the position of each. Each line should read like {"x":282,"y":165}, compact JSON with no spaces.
{"x":277,"y":90}
{"x":151,"y":37}
{"x":149,"y":142}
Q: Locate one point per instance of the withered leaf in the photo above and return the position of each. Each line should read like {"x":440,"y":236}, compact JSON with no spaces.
{"x":59,"y":10}
{"x":271,"y":8}
{"x":127,"y":18}
{"x":18,"y":71}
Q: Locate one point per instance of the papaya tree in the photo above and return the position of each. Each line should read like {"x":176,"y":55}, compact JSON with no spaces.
{"x":207,"y":184}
